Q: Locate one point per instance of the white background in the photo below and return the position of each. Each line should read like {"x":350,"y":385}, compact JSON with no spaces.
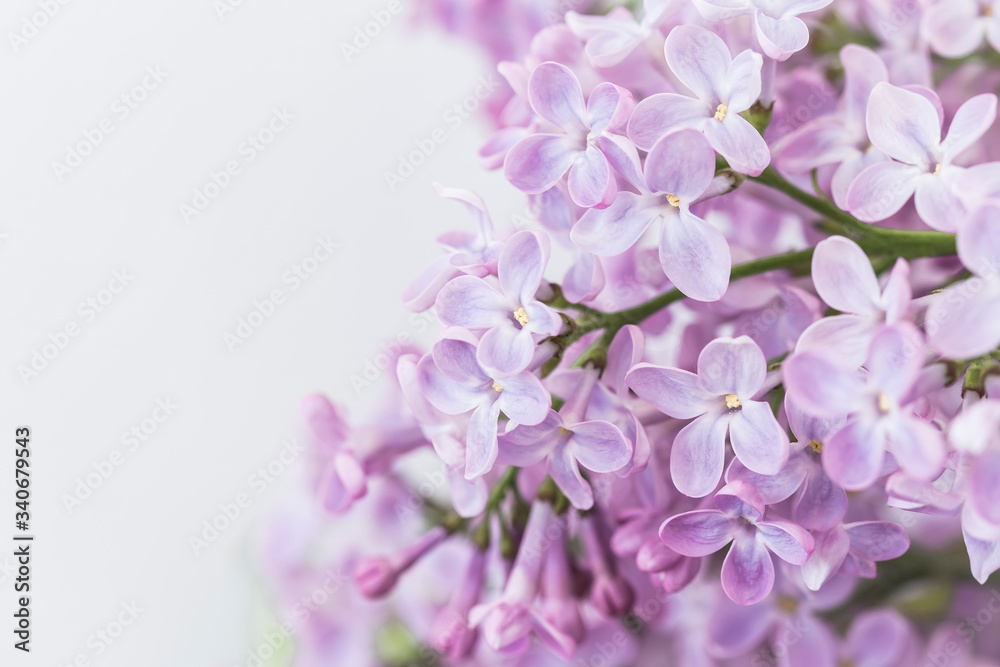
{"x":162,"y":336}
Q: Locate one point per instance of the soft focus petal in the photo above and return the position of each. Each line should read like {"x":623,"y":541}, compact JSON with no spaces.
{"x":658,"y":114}
{"x":566,"y":475}
{"x":853,"y":456}
{"x":819,"y":386}
{"x":600,"y":446}
{"x":780,"y":38}
{"x":970,"y":123}
{"x":682,"y":164}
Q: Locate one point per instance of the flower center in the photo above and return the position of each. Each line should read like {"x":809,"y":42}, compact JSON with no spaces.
{"x":788,"y":604}
{"x":521,"y":316}
{"x":497,"y":387}
{"x":674,"y":200}
{"x":883,"y":403}
{"x":937,"y":168}
{"x":721,"y":111}
{"x":987,"y":11}
{"x":816,"y":445}
{"x":733,"y":402}
{"x":563,"y":430}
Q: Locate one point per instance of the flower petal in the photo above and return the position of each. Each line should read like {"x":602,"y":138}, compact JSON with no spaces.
{"x":658,"y":114}
{"x":819,"y":386}
{"x":789,"y":542}
{"x":682,"y":164}
{"x":538,"y":162}
{"x":505,"y":350}
{"x":698,"y":455}
{"x":481,"y":445}
{"x":881,"y":190}
{"x":740,"y":143}
{"x":780,"y":38}
{"x":903,"y":124}
{"x":699,"y":59}
{"x":844,"y":278}
{"x":853,"y":455}
{"x":732,"y":366}
{"x":600,"y":446}
{"x":471,"y":302}
{"x":747,"y":571}
{"x":970,"y":123}
{"x":524,"y":399}
{"x":758,"y":440}
{"x":613,"y":230}
{"x":566,"y":474}
{"x":555,"y":95}
{"x":672,"y":391}
{"x":591,"y":181}
{"x":521,"y":265}
{"x":695,"y":257}
{"x":697,"y":533}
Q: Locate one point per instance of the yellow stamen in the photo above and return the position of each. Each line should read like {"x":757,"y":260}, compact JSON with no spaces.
{"x":883,"y":403}
{"x":788,"y":604}
{"x":521,"y":316}
{"x":721,"y":111}
{"x":563,"y":431}
{"x":987,"y":11}
{"x":937,"y":169}
{"x":733,"y":402}
{"x":497,"y":387}
{"x":816,"y":445}
{"x":674,"y":200}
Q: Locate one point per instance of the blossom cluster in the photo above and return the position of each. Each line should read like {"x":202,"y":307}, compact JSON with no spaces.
{"x":755,"y":418}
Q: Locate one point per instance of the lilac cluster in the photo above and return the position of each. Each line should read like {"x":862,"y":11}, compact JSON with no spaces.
{"x":756,"y":418}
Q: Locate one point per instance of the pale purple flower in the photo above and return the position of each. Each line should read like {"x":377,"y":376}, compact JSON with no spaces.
{"x":587,"y":147}
{"x":474,"y":254}
{"x":880,"y":405}
{"x":376,"y":576}
{"x":747,"y":571}
{"x":455,"y":383}
{"x":694,"y":255}
{"x":343,"y":479}
{"x":720,"y":398}
{"x":976,"y":433}
{"x":961,"y":321}
{"x":565,"y":440}
{"x":723,"y":88}
{"x":559,"y":604}
{"x":845,"y":280}
{"x":956,"y":28}
{"x":509,"y":622}
{"x":610,"y":39}
{"x":780,"y":31}
{"x":509,"y":313}
{"x":839,"y":138}
{"x":855,"y":547}
{"x":610,"y":593}
{"x":906,"y":126}
{"x":451,"y":635}
{"x":877,"y":638}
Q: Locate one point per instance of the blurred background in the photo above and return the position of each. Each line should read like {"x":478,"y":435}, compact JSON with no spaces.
{"x":197,"y":230}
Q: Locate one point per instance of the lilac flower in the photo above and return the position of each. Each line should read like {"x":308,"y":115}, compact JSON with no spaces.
{"x":877,"y":638}
{"x":720,"y":398}
{"x":474,"y":254}
{"x":906,"y":126}
{"x":845,"y":280}
{"x":509,"y":315}
{"x":566,"y":441}
{"x":780,"y":31}
{"x":880,"y":405}
{"x":588,"y":148}
{"x":956,"y":28}
{"x":840,"y":138}
{"x":376,"y":576}
{"x":955,"y":323}
{"x":455,"y":383}
{"x":976,"y":433}
{"x":451,"y":634}
{"x":723,"y":87}
{"x":694,"y":255}
{"x":343,"y":480}
{"x":747,"y":572}
{"x":610,"y":39}
{"x":610,"y":593}
{"x":853,"y":548}
{"x":508,"y":622}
